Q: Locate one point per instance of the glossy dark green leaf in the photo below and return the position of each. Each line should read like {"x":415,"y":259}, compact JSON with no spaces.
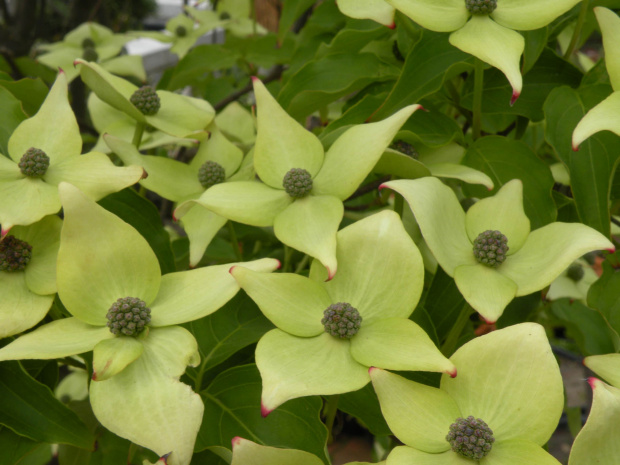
{"x":401,"y":165}
{"x":519,"y":310}
{"x":236,"y":325}
{"x":354,"y":37}
{"x":31,"y":409}
{"x":604,"y":294}
{"x":443,"y":303}
{"x":364,"y":405}
{"x":431,"y":62}
{"x":11,"y":115}
{"x":585,"y":326}
{"x":142,"y":215}
{"x":31,"y":92}
{"x":432,"y":128}
{"x":504,"y":159}
{"x":327,"y":79}
{"x":291,"y":11}
{"x":200,"y":60}
{"x":592,"y":167}
{"x":535,"y":42}
{"x":15,"y":448}
{"x":232,"y":408}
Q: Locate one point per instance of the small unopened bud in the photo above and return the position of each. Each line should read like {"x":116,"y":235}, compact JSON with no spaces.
{"x":180,"y":31}
{"x":34,"y":163}
{"x":490,"y":248}
{"x":14,"y":254}
{"x":211,"y":173}
{"x":146,"y":100}
{"x":341,"y":320}
{"x":481,"y":7}
{"x":128,"y":316}
{"x":90,"y":54}
{"x":575,"y":272}
{"x":88,"y":43}
{"x":297,"y":183}
{"x":470,"y":437}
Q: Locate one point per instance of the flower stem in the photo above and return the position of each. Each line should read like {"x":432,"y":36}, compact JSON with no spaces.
{"x":449,"y":346}
{"x":577,"y":32}
{"x":302,"y":264}
{"x":477,"y":109}
{"x":287,"y":258}
{"x":331,"y":408}
{"x":235,"y":241}
{"x":137,"y":134}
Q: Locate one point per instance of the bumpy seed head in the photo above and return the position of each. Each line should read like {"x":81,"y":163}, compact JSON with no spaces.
{"x":180,"y":31}
{"x":34,"y":163}
{"x":224,"y":15}
{"x":575,"y":272}
{"x":146,"y":100}
{"x":90,"y":54}
{"x":211,"y":173}
{"x":88,"y":43}
{"x":14,"y":254}
{"x":490,"y":248}
{"x":297,"y":183}
{"x":470,"y":437}
{"x":406,"y":148}
{"x":481,"y":7}
{"x":341,"y":320}
{"x":128,"y":316}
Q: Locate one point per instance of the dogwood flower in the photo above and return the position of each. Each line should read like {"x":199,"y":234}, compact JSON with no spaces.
{"x":485,"y":29}
{"x":125,"y":312}
{"x":490,"y":251}
{"x":606,"y":115}
{"x":302,"y":187}
{"x":45,"y":150}
{"x":500,"y":409}
{"x":329,"y":333}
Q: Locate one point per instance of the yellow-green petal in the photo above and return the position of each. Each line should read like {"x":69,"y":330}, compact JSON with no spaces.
{"x":101,"y":259}
{"x":518,"y":451}
{"x":419,"y":415}
{"x":126,"y":65}
{"x":182,"y":116}
{"x":461,"y":172}
{"x":201,"y":226}
{"x":494,"y":44}
{"x":436,"y":15}
{"x":377,"y":10}
{"x":219,"y":149}
{"x":499,"y":383}
{"x":246,"y":452}
{"x":610,"y":27}
{"x":603,"y":117}
{"x":293,"y":367}
{"x":404,"y":455}
{"x":26,"y":201}
{"x":502,"y":212}
{"x":111,"y":356}
{"x":606,"y":366}
{"x":310,"y":225}
{"x":526,"y":15}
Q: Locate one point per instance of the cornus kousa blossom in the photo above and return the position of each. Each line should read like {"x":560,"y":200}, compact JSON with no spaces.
{"x":303,"y":186}
{"x":490,"y":251}
{"x":606,"y":115}
{"x":126,"y":312}
{"x":501,"y":408}
{"x":329,"y":333}
{"x":485,"y":29}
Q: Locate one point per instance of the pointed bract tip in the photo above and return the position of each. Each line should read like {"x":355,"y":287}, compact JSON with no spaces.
{"x":575,"y":148}
{"x":61,"y":71}
{"x":94,"y":377}
{"x":592,"y":382}
{"x":420,"y":107}
{"x":489,"y":322}
{"x":371,"y":369}
{"x":279,"y":264}
{"x":392,"y":26}
{"x":383,"y":186}
{"x":612,"y":250}
{"x":236,"y":441}
{"x":452,"y":372}
{"x":255,"y":78}
{"x":230,"y":270}
{"x":4,"y":232}
{"x":515,"y":96}
{"x":330,"y":274}
{"x":264,"y":411}
{"x":76,"y":62}
{"x":144,"y":174}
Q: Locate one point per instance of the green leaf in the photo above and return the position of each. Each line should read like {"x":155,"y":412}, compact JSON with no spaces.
{"x":431,"y":62}
{"x":291,"y":10}
{"x":200,"y":60}
{"x":432,"y":128}
{"x":364,"y":405}
{"x":443,"y":303}
{"x":592,"y":167}
{"x":604,"y":295}
{"x":325,"y":80}
{"x":144,"y":217}
{"x":32,"y":410}
{"x":535,"y":42}
{"x":12,"y":114}
{"x":232,"y":408}
{"x":238,"y":324}
{"x":16,"y":448}
{"x":505,"y":159}
{"x":31,"y":92}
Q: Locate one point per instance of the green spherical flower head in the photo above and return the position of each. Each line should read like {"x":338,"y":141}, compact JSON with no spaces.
{"x":146,"y":100}
{"x":575,"y":272}
{"x":34,"y":163}
{"x":14,"y":254}
{"x":406,"y":148}
{"x":481,"y":7}
{"x":224,"y":15}
{"x":297,"y":183}
{"x":128,"y":316}
{"x":341,"y":320}
{"x":490,"y":248}
{"x":470,"y":437}
{"x":180,"y":31}
{"x":88,"y":43}
{"x":90,"y":54}
{"x":210,"y":174}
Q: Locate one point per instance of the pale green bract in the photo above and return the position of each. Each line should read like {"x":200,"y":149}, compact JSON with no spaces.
{"x":381,"y":275}
{"x":491,"y":38}
{"x":135,"y":388}
{"x":533,"y":261}
{"x":606,"y":115}
{"x":497,"y":382}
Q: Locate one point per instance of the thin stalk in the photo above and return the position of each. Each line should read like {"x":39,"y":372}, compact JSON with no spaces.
{"x":577,"y":32}
{"x":287,"y":259}
{"x":477,"y":110}
{"x":137,"y":134}
{"x":331,"y":408}
{"x":302,"y":264}
{"x":449,"y":346}
{"x":235,"y":241}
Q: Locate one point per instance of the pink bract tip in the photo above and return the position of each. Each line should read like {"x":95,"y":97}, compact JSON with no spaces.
{"x":592,"y":382}
{"x":420,"y":107}
{"x":575,"y":148}
{"x":612,"y":250}
{"x":236,"y":441}
{"x":330,"y":274}
{"x":489,"y":322}
{"x":279,"y":264}
{"x":174,"y":216}
{"x":392,"y":26}
{"x":76,"y":62}
{"x":264,"y":411}
{"x":254,"y":78}
{"x":60,"y":70}
{"x":383,"y":186}
{"x":515,"y":96}
{"x":370,"y":370}
{"x":94,"y":377}
{"x":230,"y":270}
{"x":4,"y":232}
{"x":452,"y":373}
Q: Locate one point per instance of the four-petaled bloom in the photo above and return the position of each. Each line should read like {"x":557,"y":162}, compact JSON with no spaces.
{"x":305,"y":219}
{"x":606,"y":115}
{"x":519,"y":400}
{"x":380,"y":280}
{"x":490,"y":36}
{"x":109,"y":279}
{"x":533,"y":259}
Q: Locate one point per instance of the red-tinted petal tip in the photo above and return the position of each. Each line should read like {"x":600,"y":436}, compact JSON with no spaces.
{"x":515,"y":96}
{"x":575,"y":148}
{"x":452,"y":373}
{"x":236,"y":441}
{"x":264,"y":411}
{"x":392,"y":26}
{"x":592,"y":382}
